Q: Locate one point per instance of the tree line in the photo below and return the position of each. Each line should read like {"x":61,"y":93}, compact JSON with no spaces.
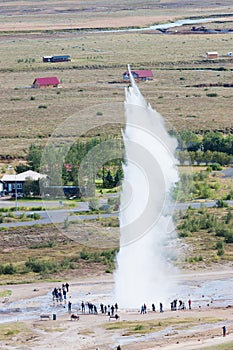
{"x":99,"y":160}
{"x":212,"y":147}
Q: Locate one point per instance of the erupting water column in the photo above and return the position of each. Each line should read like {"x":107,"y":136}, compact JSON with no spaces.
{"x":146,"y":227}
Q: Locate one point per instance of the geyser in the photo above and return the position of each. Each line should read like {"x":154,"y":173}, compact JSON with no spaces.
{"x":147,"y":232}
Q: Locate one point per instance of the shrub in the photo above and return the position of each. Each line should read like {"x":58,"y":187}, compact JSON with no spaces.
{"x":93,"y":204}
{"x":212,"y":94}
{"x":9,"y":269}
{"x":229,"y":196}
{"x":220,"y":203}
{"x":220,"y":248}
{"x":40,"y":266}
{"x":84,"y":255}
{"x":229,"y":216}
{"x":183,"y":234}
{"x":34,"y":216}
{"x":138,"y":327}
{"x":215,"y":166}
{"x":66,"y":223}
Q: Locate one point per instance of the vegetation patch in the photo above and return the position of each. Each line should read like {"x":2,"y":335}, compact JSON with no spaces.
{"x":5,"y":293}
{"x":9,"y":330}
{"x":144,"y":327}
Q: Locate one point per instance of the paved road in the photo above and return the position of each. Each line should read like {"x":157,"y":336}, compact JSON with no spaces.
{"x":60,"y":215}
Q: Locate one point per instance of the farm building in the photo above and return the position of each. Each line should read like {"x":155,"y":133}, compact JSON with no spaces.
{"x":13,"y":183}
{"x":139,"y":74}
{"x":45,"y":82}
{"x":61,"y":58}
{"x":212,"y":55}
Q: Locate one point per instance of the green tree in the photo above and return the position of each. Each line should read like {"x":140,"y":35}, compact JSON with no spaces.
{"x":189,"y":140}
{"x":34,"y":157}
{"x":212,"y":141}
{"x":109,"y":182}
{"x":31,"y":187}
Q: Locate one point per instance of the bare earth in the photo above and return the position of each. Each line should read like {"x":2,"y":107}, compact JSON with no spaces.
{"x":90,"y":331}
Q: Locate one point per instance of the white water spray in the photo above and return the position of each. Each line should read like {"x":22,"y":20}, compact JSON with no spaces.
{"x":146,"y":227}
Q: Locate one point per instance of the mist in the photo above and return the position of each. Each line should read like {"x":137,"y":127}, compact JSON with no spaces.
{"x":147,"y":232}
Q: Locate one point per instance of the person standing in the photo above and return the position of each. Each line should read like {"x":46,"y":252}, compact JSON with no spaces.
{"x":69,"y":306}
{"x":144,"y":308}
{"x":102,"y":308}
{"x":83,"y":307}
{"x":116,"y":307}
{"x":190,"y":304}
{"x":224,"y":330}
{"x":112,"y":310}
{"x":161,"y":307}
{"x":109,"y":310}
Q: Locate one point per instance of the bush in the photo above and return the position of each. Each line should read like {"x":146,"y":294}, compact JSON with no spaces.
{"x":34,"y":216}
{"x":221,"y":204}
{"x":93,"y":204}
{"x":229,"y":196}
{"x":212,"y":94}
{"x":9,"y":269}
{"x":215,"y":166}
{"x":183,"y":234}
{"x":220,"y":248}
{"x":38,"y":266}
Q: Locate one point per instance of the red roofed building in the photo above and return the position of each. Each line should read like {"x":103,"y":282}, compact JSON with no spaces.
{"x":139,"y":74}
{"x":45,"y":82}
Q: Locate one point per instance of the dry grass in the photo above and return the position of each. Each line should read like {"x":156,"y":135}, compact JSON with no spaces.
{"x":88,"y":14}
{"x":145,"y":327}
{"x":12,"y":331}
{"x":203,"y":244}
{"x":100,"y":58}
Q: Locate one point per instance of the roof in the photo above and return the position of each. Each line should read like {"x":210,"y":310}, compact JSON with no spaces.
{"x":33,"y":175}
{"x":144,"y":73}
{"x":61,"y":56}
{"x":47,"y":81}
{"x":212,"y":53}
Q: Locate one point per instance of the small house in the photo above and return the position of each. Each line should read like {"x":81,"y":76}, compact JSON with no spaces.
{"x":14,"y":183}
{"x":212,"y":55}
{"x":45,"y":82}
{"x":139,"y":74}
{"x":60,"y":58}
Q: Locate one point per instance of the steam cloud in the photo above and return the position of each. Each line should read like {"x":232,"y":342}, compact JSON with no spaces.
{"x":144,"y":267}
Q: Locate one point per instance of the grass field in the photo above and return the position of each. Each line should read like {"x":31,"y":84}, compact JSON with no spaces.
{"x":98,"y":59}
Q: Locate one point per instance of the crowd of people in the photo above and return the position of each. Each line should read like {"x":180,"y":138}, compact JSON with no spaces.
{"x":175,"y":305}
{"x":180,"y":305}
{"x":60,"y":294}
{"x":90,"y":308}
{"x":153,"y":308}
